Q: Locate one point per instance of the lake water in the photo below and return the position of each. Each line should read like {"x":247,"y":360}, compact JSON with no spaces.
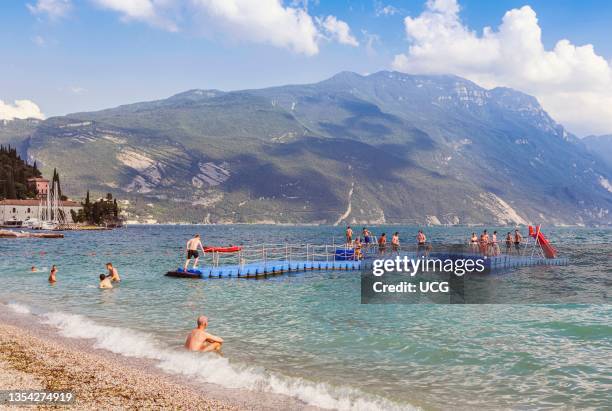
{"x":307,"y":335}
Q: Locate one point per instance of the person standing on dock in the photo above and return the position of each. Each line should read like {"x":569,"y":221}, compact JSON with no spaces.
{"x":192,"y":251}
{"x":349,"y":235}
{"x":484,"y":243}
{"x":474,"y":243}
{"x":494,"y":244}
{"x":517,"y":241}
{"x":366,"y":236}
{"x":52,"y":278}
{"x":421,"y":242}
{"x":382,"y":243}
{"x":395,"y":242}
{"x":508,"y":243}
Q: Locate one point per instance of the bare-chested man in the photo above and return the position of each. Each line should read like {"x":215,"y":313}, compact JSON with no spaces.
{"x":105,"y":282}
{"x":517,"y":240}
{"x":52,"y":278}
{"x":199,"y":340}
{"x":192,"y":251}
{"x":349,"y":235}
{"x":112,"y":272}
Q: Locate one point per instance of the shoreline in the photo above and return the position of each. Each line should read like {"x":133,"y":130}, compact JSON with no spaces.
{"x":34,"y":356}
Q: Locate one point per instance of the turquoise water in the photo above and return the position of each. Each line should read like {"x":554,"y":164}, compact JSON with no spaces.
{"x":307,"y":335}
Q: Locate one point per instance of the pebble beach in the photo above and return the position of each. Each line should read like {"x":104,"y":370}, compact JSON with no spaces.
{"x":30,"y":362}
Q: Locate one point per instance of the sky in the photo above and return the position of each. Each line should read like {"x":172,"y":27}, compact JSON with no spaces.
{"x":63,"y":56}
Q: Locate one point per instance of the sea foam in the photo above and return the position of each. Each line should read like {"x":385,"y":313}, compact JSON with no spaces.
{"x":19,"y":308}
{"x":214,"y":369}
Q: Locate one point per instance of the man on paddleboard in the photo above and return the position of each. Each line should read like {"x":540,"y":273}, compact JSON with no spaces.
{"x":192,"y":251}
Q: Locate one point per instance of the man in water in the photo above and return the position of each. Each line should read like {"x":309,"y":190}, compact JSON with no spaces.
{"x":192,"y":251}
{"x":199,"y":340}
{"x":105,"y":281}
{"x":112,"y":272}
{"x":52,"y":278}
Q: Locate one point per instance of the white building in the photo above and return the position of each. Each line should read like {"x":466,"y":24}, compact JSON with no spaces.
{"x":23,"y":210}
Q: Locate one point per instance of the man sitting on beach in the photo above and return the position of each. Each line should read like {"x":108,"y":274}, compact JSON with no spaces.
{"x":192,"y":251}
{"x":199,"y":340}
{"x":112,"y":272}
{"x":105,"y":281}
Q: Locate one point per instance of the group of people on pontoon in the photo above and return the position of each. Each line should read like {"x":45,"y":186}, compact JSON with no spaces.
{"x":370,"y":240}
{"x":489,"y":245}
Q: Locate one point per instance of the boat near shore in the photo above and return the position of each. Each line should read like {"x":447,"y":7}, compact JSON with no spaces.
{"x":27,"y":234}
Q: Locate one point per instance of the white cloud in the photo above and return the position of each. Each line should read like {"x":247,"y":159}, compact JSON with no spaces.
{"x":39,"y":41}
{"x":263,"y":21}
{"x":52,"y":8}
{"x":573,"y":83}
{"x":371,"y":40}
{"x":338,"y":30}
{"x":20,"y":109}
{"x":384,"y":10}
{"x":149,"y":11}
{"x":77,"y":90}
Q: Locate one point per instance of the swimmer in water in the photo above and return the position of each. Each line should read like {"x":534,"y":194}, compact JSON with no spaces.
{"x":112,"y":272}
{"x":105,"y":281}
{"x":52,"y":278}
{"x":33,"y":269}
{"x":199,"y":340}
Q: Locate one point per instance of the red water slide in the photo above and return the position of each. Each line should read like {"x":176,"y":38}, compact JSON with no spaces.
{"x":547,"y":248}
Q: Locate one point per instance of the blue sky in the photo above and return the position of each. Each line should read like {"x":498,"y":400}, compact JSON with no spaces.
{"x":79,"y":55}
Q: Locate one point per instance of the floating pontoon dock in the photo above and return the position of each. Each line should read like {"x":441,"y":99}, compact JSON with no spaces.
{"x":277,"y":259}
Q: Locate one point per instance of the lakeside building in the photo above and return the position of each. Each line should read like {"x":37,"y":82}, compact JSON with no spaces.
{"x":24,"y":210}
{"x":40,"y":185}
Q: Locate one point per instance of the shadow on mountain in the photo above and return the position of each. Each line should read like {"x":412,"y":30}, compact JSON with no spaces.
{"x":265,"y":179}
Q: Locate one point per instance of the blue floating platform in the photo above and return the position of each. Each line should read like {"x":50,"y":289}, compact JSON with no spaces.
{"x":267,"y":269}
{"x":273,"y":268}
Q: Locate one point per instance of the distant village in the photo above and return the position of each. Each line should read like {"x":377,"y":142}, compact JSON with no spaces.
{"x":29,"y":200}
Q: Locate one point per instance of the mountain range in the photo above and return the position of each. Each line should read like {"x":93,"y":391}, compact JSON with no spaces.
{"x":385,"y":147}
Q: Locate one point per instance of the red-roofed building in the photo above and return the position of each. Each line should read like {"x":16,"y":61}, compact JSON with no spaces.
{"x":41,"y":185}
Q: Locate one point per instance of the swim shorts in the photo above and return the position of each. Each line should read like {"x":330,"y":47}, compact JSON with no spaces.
{"x":192,"y":253}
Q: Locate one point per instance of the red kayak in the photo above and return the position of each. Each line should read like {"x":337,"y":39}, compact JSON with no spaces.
{"x":232,"y":249}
